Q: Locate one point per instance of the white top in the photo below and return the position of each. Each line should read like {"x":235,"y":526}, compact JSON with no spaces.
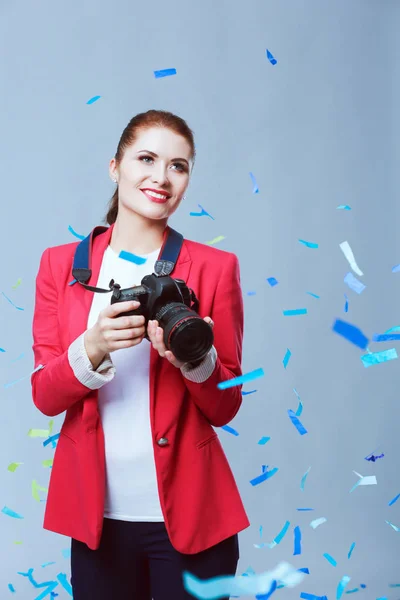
{"x":124,"y":402}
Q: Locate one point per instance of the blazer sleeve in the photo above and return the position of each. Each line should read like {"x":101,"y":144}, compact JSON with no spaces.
{"x":55,"y":385}
{"x":221,"y":406}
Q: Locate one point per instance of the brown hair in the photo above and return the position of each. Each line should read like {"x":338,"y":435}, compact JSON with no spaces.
{"x":151,"y":118}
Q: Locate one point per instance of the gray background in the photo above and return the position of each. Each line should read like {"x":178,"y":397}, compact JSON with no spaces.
{"x":319,"y":129}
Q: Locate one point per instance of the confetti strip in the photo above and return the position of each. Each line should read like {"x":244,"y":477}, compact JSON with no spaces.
{"x":10,"y":301}
{"x":272,"y":281}
{"x":297,"y":311}
{"x":375,"y":358}
{"x":305,"y":596}
{"x":396,"y":269}
{"x":394,"y":500}
{"x":280,"y":536}
{"x":367,"y":480}
{"x":164,"y":73}
{"x":313,"y":295}
{"x":240,"y":586}
{"x":309,"y":244}
{"x":286,"y":358}
{"x":263,"y":441}
{"x":264,"y":475}
{"x":223,"y":385}
{"x":393,"y":526}
{"x":346,"y":306}
{"x":300,"y":428}
{"x":317,"y":522}
{"x":354,"y":284}
{"x":343,"y":207}
{"x":303,"y":479}
{"x":11,"y":513}
{"x":330,"y":559}
{"x":297,"y":541}
{"x":350,"y":333}
{"x":203,"y":213}
{"x":216,"y":240}
{"x":138,"y":260}
{"x":19,"y":281}
{"x":255,"y":186}
{"x":348,"y":252}
{"x":13,"y":466}
{"x":342,"y":584}
{"x":270,"y":57}
{"x":77,"y":235}
{"x":351,"y":549}
{"x":386,"y":337}
{"x":94,"y":99}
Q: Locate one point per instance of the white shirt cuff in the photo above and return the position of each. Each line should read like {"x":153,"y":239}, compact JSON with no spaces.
{"x":83,"y":368}
{"x":203,"y":371}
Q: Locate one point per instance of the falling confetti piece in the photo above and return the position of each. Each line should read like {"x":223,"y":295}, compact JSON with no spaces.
{"x":230,"y":430}
{"x":297,"y":541}
{"x":300,"y":428}
{"x":216,"y":240}
{"x":297,"y":311}
{"x":313,"y":295}
{"x":164,"y":73}
{"x":201,"y":214}
{"x":373,"y":458}
{"x":19,"y":280}
{"x":77,"y":235}
{"x":264,"y":476}
{"x":393,"y":526}
{"x":35,"y":489}
{"x":94,"y":99}
{"x":348,"y":252}
{"x":13,"y":466}
{"x":38,"y":433}
{"x":351,"y":549}
{"x":346,"y":306}
{"x":305,"y":596}
{"x":272,"y":281}
{"x":309,"y":244}
{"x":11,"y":513}
{"x":263,"y":441}
{"x":270,"y":57}
{"x":330,"y":559}
{"x":138,"y":260}
{"x":343,"y":207}
{"x":286,"y":358}
{"x":396,"y":269}
{"x":11,"y":302}
{"x":255,"y":186}
{"x":354,"y":284}
{"x":386,"y":337}
{"x":342,"y":584}
{"x":303,"y":479}
{"x":317,"y":522}
{"x":350,"y":333}
{"x":223,"y":385}
{"x":367,"y":480}
{"x":394,"y":500}
{"x":375,"y":358}
{"x":280,"y":535}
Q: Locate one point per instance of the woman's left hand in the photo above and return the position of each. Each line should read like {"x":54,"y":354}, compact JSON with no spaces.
{"x":156,"y":334}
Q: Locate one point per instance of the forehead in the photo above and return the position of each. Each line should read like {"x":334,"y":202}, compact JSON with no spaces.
{"x":163,"y":142}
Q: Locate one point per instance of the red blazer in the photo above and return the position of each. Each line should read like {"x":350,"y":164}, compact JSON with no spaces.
{"x":200,"y":501}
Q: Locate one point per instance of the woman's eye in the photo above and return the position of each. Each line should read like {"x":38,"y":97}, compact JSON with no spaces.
{"x":144,"y":157}
{"x":181,"y":167}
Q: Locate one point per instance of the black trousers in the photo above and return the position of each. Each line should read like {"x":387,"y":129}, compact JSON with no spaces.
{"x":136,"y":561}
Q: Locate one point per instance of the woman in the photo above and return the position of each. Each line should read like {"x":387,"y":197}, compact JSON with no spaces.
{"x":140,"y":481}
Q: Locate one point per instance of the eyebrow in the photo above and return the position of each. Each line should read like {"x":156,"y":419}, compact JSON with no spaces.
{"x":156,"y":155}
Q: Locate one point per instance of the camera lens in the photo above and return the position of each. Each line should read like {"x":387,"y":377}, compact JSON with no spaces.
{"x":187,"y":335}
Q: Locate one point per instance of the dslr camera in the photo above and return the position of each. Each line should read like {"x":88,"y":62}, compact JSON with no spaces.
{"x":175,"y":306}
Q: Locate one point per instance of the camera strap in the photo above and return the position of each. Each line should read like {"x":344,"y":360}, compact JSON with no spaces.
{"x":82,"y":272}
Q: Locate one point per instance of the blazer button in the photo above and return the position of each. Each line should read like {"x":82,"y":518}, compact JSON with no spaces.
{"x":162,"y":441}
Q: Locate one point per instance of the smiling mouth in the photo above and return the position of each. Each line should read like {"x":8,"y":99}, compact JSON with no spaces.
{"x":159,"y":199}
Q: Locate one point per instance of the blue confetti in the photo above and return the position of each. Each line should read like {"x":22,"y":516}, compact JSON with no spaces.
{"x":304,"y":509}
{"x":201,"y":214}
{"x":11,"y":513}
{"x":346,"y":306}
{"x":305,"y":596}
{"x":297,"y":541}
{"x":138,"y":260}
{"x":15,"y":306}
{"x":164,"y":73}
{"x":270,"y":57}
{"x":343,"y":207}
{"x":247,"y":393}
{"x":230,"y":430}
{"x":272,"y":281}
{"x":351,"y":333}
{"x":354,"y":283}
{"x":264,"y":476}
{"x":281,"y":535}
{"x":303,"y":479}
{"x":223,"y":385}
{"x":263,"y":441}
{"x":330,"y":559}
{"x":286,"y":358}
{"x":255,"y":186}
{"x":11,"y":587}
{"x":300,"y":428}
{"x":94,"y":99}
{"x":386,"y":337}
{"x":313,"y":295}
{"x":342,"y":584}
{"x":394,"y":500}
{"x":396,"y":269}
{"x":351,"y":549}
{"x":77,"y":235}
{"x":309,"y":244}
{"x":297,"y":311}
{"x":375,"y":358}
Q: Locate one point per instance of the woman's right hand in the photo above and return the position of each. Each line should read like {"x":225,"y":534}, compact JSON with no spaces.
{"x":111,"y":332}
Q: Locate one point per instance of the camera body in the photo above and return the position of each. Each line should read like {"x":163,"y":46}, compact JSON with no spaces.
{"x":175,"y":306}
